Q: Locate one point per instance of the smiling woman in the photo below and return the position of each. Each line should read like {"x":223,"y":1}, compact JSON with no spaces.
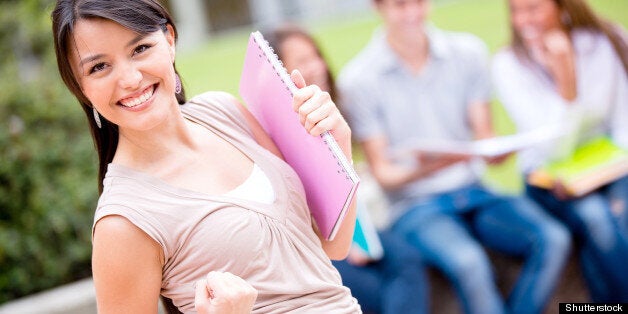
{"x":567,"y":64}
{"x":105,"y":136}
{"x":172,"y":218}
{"x":122,"y":81}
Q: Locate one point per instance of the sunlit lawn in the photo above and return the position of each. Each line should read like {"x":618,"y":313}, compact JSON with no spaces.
{"x":217,"y":64}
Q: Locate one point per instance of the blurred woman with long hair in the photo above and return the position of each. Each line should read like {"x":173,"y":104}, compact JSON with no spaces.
{"x":567,"y":65}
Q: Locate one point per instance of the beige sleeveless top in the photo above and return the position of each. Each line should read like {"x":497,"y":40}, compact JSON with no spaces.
{"x":271,"y":246}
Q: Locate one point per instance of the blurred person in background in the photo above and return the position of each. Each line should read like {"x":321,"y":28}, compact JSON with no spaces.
{"x":195,"y":197}
{"x":415,"y":81}
{"x":566,"y":63}
{"x":396,"y":283}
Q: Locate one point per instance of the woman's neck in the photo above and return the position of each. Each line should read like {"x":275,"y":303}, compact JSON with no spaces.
{"x":166,"y":143}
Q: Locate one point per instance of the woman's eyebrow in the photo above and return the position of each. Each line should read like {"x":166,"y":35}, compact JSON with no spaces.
{"x":91,"y":58}
{"x":135,"y":40}
{"x":132,"y":42}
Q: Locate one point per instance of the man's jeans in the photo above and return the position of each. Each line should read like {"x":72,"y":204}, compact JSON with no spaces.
{"x":446,"y":230}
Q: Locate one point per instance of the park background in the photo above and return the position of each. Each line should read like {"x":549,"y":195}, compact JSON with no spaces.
{"x":48,"y":188}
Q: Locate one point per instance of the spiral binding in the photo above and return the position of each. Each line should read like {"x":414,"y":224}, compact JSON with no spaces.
{"x":268,"y":51}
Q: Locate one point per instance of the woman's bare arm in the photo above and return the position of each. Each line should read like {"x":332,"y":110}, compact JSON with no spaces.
{"x":126,"y":265}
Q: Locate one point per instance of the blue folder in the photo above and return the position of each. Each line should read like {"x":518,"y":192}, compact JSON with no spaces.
{"x":365,"y":237}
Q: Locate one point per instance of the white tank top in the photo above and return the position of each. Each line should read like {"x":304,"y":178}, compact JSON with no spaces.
{"x":255,"y":188}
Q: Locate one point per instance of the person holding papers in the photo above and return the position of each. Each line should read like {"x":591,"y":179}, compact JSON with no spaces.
{"x":566,"y":65}
{"x":396,"y":281}
{"x":195,"y":197}
{"x":414,"y":80}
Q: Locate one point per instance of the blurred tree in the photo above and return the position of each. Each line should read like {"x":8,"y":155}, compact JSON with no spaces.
{"x":48,"y":185}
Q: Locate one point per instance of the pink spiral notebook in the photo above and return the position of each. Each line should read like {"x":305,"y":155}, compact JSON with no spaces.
{"x":329,"y":180}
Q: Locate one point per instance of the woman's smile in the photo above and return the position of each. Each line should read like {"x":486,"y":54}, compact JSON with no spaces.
{"x":140,"y":100}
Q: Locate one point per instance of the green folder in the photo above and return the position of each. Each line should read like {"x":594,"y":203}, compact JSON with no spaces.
{"x":592,"y":165}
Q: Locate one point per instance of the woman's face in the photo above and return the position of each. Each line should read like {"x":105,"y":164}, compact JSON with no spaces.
{"x":532,"y":19}
{"x":299,"y":53}
{"x":129,"y":78}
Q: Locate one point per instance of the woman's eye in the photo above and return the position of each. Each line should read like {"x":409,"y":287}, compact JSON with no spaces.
{"x":97,"y":68}
{"x":141,"y":48}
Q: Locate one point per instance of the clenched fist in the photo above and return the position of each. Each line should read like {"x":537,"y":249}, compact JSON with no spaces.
{"x":224,"y":293}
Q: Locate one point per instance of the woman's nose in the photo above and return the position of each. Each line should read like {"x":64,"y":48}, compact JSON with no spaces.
{"x":129,"y":77}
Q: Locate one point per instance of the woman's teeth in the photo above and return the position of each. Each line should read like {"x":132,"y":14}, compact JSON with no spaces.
{"x":132,"y":102}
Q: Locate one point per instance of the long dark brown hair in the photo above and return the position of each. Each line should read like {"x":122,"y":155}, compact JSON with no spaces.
{"x":280,"y":34}
{"x":140,"y":16}
{"x":578,"y":14}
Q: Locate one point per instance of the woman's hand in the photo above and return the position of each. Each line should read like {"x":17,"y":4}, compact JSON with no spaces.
{"x":556,"y":53}
{"x":318,"y":113}
{"x":357,"y":257}
{"x":224,"y":293}
{"x":560,"y":191}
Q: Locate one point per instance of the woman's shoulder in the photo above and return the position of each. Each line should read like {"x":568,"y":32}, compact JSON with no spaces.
{"x":219,"y":109}
{"x":214,"y":105}
{"x":139,"y":198}
{"x":124,"y":188}
{"x":588,"y":41}
{"x":214,"y":100}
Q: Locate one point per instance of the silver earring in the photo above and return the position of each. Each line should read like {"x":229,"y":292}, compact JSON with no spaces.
{"x":177,"y":86}
{"x":97,"y":118}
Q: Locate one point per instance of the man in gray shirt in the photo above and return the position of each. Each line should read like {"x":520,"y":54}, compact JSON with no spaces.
{"x":414,"y":81}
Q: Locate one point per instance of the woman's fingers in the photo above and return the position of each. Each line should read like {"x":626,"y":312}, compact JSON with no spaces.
{"x":223,"y":292}
{"x":317,"y":112}
{"x":203,"y":297}
{"x":557,"y":43}
{"x":303,"y":95}
{"x":297,"y":78}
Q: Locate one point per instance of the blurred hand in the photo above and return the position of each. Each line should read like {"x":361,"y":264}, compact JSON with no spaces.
{"x":318,"y":113}
{"x":556,"y":53}
{"x":431,"y":162}
{"x":496,"y":160}
{"x":557,"y":50}
{"x":224,"y":293}
{"x":560,"y":191}
{"x":357,"y":257}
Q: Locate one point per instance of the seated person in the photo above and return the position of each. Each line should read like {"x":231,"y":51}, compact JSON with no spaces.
{"x":396,"y":282}
{"x":414,"y":81}
{"x":567,"y":65}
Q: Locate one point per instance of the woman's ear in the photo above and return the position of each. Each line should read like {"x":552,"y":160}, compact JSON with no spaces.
{"x":171,"y":41}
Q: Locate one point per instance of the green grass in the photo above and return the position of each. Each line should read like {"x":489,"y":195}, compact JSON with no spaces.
{"x":217,"y":64}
